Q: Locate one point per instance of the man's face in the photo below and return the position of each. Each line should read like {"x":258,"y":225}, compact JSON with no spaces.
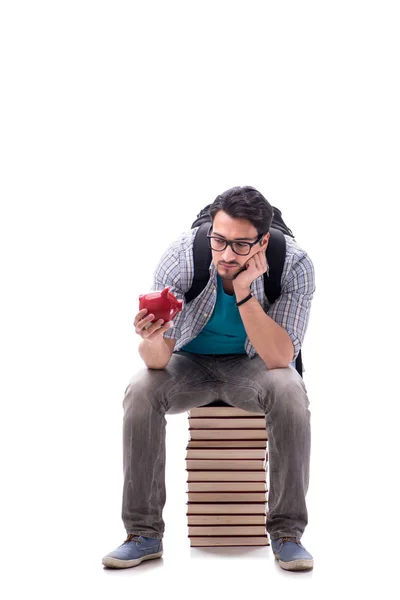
{"x":241,"y":230}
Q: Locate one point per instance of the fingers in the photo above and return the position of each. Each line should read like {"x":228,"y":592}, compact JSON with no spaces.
{"x":157,"y":328}
{"x":145,"y":327}
{"x":139,"y":316}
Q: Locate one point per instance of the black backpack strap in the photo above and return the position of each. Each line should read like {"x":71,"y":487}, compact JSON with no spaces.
{"x":202,"y":260}
{"x":276,"y":253}
{"x":299,"y":364}
{"x":272,"y":284}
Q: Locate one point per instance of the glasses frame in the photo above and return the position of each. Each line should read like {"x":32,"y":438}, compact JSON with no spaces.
{"x":228,"y":243}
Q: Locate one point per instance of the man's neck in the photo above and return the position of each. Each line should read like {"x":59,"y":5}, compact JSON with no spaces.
{"x":228,"y":287}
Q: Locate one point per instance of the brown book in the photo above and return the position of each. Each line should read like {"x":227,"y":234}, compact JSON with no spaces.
{"x":221,"y":530}
{"x":224,"y":453}
{"x":218,"y":465}
{"x":222,"y":411}
{"x":227,"y":519}
{"x":227,"y":444}
{"x":228,"y":434}
{"x":227,"y":486}
{"x":229,"y":541}
{"x":227,"y":475}
{"x":258,"y":508}
{"x":227,"y":496}
{"x":227,"y":423}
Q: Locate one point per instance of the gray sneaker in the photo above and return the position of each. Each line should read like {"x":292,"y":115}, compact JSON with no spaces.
{"x":133,"y":551}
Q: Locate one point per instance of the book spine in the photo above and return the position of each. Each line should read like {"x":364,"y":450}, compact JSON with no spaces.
{"x":260,"y":475}
{"x":227,"y":519}
{"x":254,"y":508}
{"x":221,"y":530}
{"x":226,"y":453}
{"x":227,"y":486}
{"x":228,"y":541}
{"x":229,"y":465}
{"x":227,"y":496}
{"x":227,"y":423}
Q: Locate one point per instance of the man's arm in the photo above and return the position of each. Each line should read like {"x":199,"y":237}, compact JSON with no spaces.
{"x":156,"y":353}
{"x":271,"y":342}
{"x":278,"y":336}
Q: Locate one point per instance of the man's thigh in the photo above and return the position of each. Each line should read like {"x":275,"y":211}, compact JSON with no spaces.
{"x":185,"y":383}
{"x":248,"y":383}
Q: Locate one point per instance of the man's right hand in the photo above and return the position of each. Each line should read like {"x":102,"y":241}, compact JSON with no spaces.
{"x":153,"y":332}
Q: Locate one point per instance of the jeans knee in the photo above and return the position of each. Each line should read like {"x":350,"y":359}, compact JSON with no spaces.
{"x":141,"y":395}
{"x":288,"y":390}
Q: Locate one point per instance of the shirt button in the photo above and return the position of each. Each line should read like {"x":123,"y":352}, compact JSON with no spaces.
{"x":205,"y":315}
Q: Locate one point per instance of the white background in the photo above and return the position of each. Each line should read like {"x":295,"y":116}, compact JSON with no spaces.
{"x":119,"y":122}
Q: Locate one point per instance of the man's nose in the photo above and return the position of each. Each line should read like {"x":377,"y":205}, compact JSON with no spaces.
{"x":228,"y":255}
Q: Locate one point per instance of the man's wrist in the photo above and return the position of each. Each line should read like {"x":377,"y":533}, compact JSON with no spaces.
{"x":241,"y":292}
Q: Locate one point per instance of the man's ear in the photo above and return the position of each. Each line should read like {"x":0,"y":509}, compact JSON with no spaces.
{"x":264,"y":241}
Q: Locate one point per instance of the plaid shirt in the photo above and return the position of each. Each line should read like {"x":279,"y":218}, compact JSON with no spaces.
{"x":291,"y":310}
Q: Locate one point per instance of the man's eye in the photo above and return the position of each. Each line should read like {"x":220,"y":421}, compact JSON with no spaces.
{"x":241,"y":244}
{"x":219,"y":240}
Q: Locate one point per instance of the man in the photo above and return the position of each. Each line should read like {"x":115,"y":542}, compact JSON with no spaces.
{"x":228,"y":343}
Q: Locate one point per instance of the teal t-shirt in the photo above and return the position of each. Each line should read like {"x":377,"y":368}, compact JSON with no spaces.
{"x":224,"y":333}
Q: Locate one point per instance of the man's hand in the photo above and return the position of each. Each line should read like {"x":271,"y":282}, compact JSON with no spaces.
{"x":148,"y":330}
{"x":254,"y":267}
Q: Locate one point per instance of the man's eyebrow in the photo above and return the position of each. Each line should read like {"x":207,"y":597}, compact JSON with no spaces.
{"x":236,"y":239}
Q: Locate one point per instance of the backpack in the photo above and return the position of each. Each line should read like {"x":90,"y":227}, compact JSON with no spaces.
{"x":276,"y":253}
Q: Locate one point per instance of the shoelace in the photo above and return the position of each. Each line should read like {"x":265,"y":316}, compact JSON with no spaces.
{"x":134,"y":537}
{"x":296,"y":540}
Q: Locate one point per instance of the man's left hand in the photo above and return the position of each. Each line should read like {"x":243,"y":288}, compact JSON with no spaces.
{"x":254,"y":267}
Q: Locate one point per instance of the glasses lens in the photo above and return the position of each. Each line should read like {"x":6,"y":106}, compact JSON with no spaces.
{"x":241,"y":248}
{"x":217,"y":244}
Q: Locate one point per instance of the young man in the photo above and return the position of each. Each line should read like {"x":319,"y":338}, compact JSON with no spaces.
{"x":228,"y":343}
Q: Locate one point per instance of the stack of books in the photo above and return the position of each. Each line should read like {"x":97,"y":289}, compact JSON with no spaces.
{"x":226,"y":462}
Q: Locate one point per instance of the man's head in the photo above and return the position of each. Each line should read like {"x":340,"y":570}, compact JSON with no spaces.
{"x":243,"y":215}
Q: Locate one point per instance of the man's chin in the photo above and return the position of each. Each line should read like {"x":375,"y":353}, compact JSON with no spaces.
{"x":228,"y":273}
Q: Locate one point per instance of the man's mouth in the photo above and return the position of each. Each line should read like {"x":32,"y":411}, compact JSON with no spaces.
{"x":227,"y":266}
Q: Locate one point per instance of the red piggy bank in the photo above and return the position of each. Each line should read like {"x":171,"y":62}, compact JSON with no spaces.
{"x":163,"y":305}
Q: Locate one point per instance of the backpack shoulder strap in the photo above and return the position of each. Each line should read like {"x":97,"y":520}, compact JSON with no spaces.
{"x":272,"y":284}
{"x":202,"y":260}
{"x":276,"y":253}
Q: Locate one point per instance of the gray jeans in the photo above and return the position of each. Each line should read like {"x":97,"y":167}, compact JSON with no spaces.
{"x":192,"y":380}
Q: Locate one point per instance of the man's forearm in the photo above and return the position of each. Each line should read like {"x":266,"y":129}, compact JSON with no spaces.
{"x":155,"y":354}
{"x":271,"y":342}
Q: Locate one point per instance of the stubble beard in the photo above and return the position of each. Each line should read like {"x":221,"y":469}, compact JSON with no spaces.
{"x":230,"y":275}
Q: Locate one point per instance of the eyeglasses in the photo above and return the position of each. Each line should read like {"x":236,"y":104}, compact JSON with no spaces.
{"x":242,"y":248}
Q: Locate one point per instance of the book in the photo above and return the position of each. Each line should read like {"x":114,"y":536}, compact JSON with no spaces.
{"x":229,"y":541}
{"x":226,"y":453}
{"x":227,"y":444}
{"x":260,"y":475}
{"x":222,"y":411}
{"x":227,"y":496}
{"x":221,"y":423}
{"x":228,"y":434}
{"x":227,"y":519}
{"x":223,"y":530}
{"x":255,"y":508}
{"x":227,"y":486}
{"x":230,"y":465}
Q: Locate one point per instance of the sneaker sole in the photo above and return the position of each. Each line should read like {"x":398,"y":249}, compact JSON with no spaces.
{"x":117,"y":563}
{"x":300,"y":564}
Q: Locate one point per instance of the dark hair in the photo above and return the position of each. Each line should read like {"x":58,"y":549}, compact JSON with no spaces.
{"x":245,"y":203}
